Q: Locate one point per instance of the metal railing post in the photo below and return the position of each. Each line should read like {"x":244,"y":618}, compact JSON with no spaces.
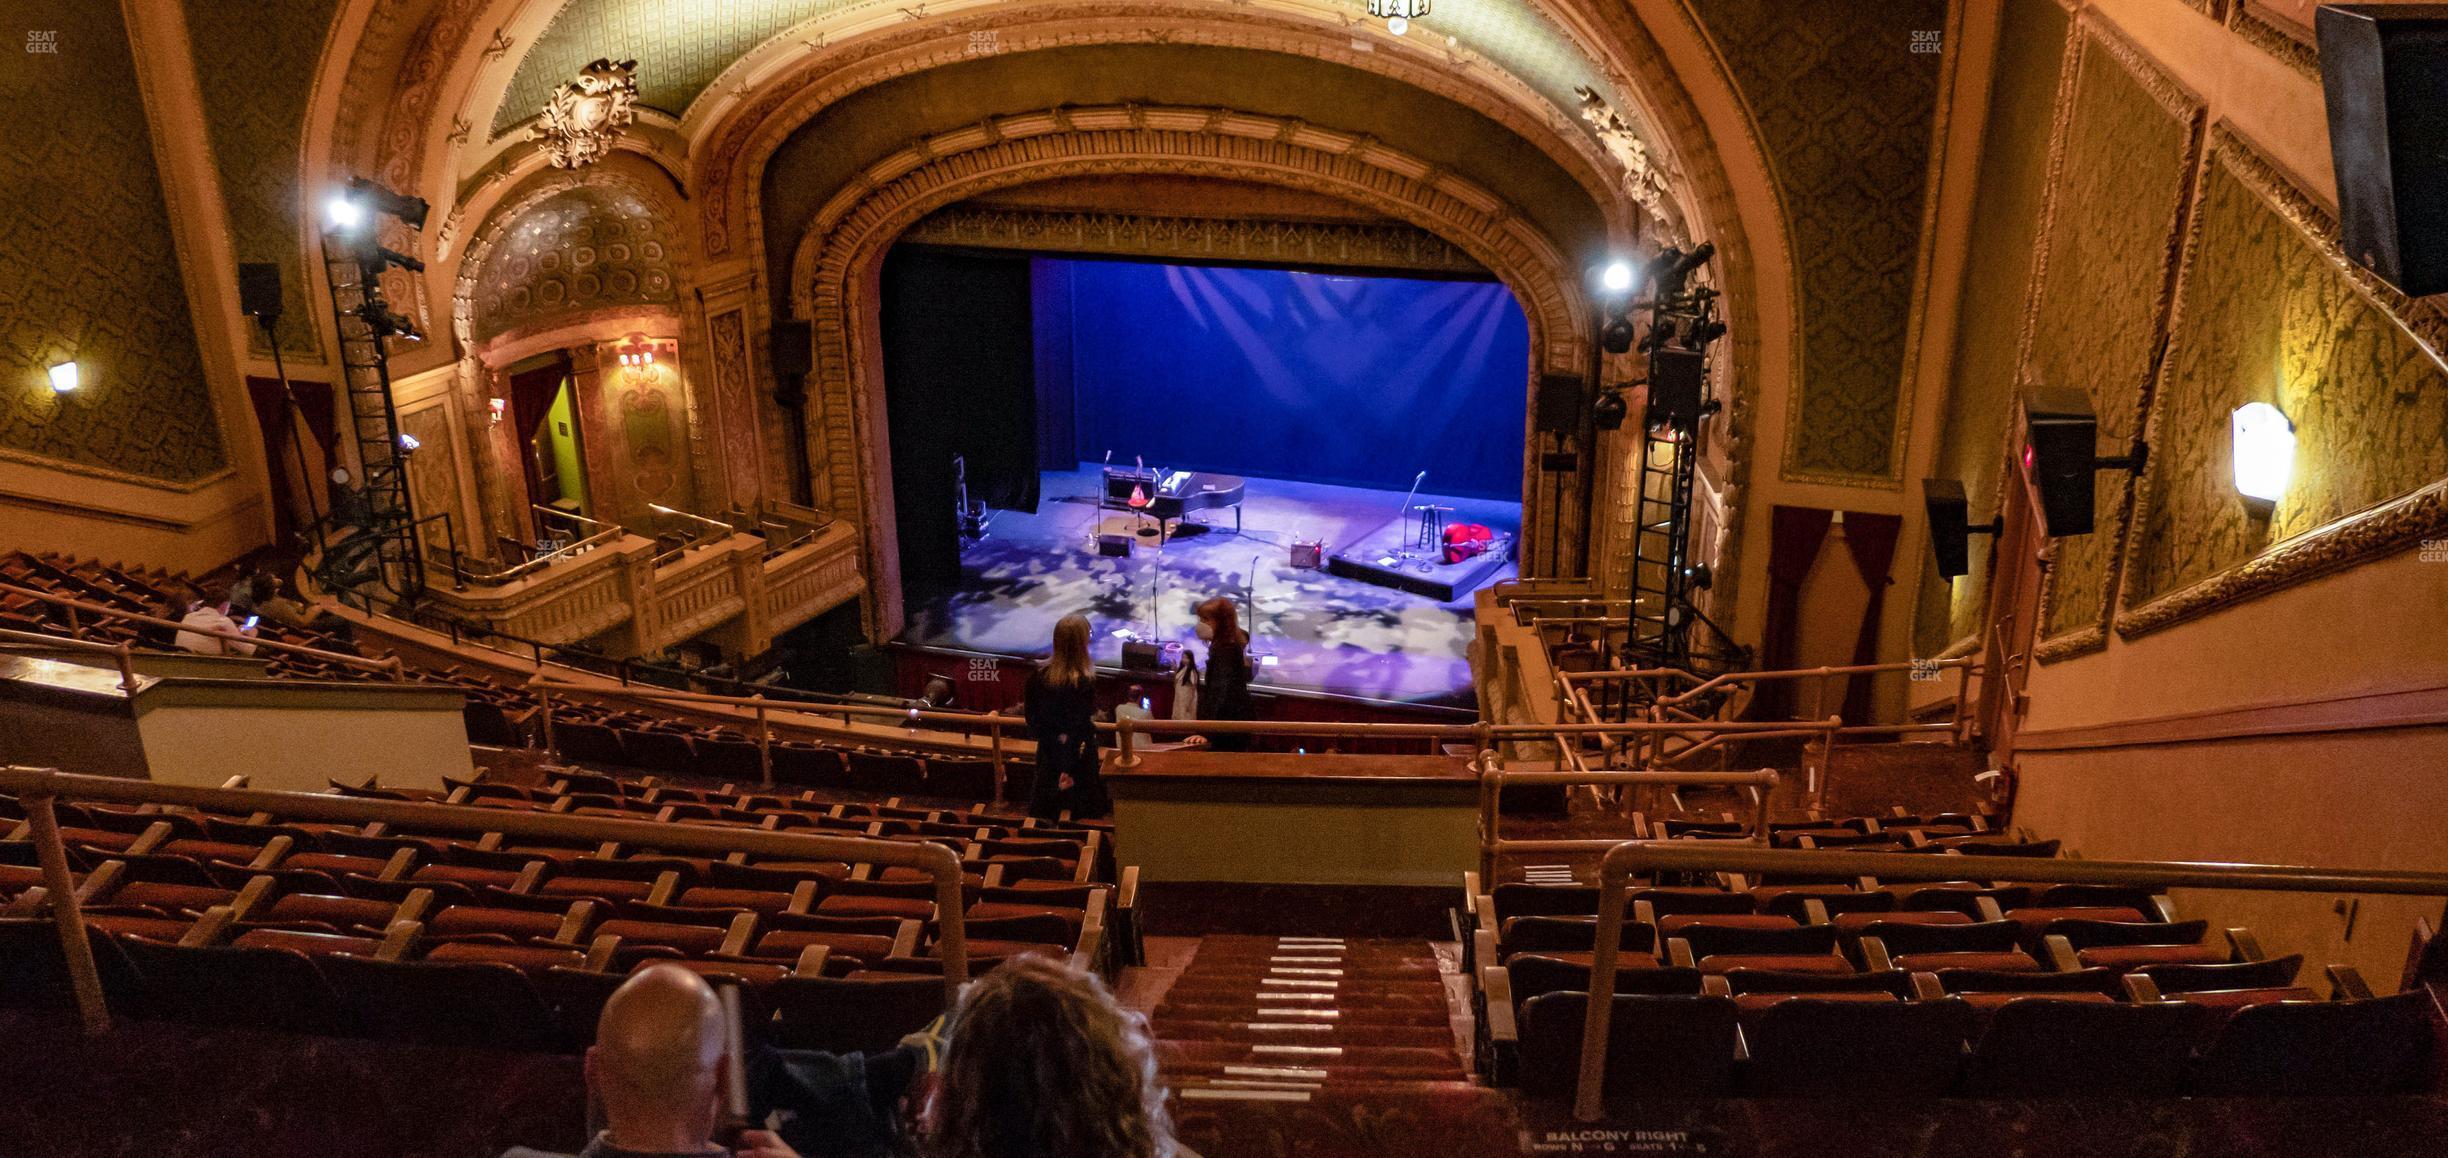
{"x":764,"y":744}
{"x":68,"y":912}
{"x":1759,"y":822}
{"x":1127,"y":757}
{"x":994,"y":737}
{"x":545,"y":701}
{"x":126,"y":653}
{"x":1589,"y":1089}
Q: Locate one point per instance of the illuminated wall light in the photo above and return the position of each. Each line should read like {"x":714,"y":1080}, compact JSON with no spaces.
{"x":65,"y":377}
{"x":2264,"y":454}
{"x":499,"y":407}
{"x":344,"y":212}
{"x":408,"y":443}
{"x":1617,"y":278}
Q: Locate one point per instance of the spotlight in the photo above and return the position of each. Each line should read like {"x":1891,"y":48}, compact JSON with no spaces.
{"x":65,"y":377}
{"x":1617,"y":278}
{"x":408,"y":444}
{"x":411,"y":211}
{"x":1609,"y":410}
{"x":1699,"y":577}
{"x":386,"y":324}
{"x":344,"y":212}
{"x":1618,"y":336}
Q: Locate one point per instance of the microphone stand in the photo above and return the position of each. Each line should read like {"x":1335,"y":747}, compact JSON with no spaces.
{"x":1402,"y":518}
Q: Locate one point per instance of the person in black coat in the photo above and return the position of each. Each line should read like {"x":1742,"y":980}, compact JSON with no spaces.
{"x":1061,"y":711}
{"x":1224,"y":689}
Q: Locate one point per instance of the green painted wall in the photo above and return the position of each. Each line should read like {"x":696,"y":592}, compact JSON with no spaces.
{"x":560,"y":439}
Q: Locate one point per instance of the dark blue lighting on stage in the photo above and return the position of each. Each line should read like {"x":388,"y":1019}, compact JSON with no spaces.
{"x":1356,"y":381}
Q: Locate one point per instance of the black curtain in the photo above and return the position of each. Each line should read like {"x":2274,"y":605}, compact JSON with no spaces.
{"x":960,"y":379}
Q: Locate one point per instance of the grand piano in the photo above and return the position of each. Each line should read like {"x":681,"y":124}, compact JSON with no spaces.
{"x":1168,"y":495}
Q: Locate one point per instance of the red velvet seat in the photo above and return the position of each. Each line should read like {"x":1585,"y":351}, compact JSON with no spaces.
{"x":530,"y":958}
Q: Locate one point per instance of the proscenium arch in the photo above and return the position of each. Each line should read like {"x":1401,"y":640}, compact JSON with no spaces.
{"x":837,"y":274}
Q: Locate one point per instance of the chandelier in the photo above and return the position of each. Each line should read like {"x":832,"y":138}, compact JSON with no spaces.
{"x":1398,"y":14}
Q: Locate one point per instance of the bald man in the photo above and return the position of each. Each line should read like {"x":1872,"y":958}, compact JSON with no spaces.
{"x":658,"y":1072}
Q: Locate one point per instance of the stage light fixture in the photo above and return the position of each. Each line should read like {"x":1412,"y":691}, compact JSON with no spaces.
{"x":1618,"y":336}
{"x":65,"y":377}
{"x":1617,"y":278}
{"x":344,"y":212}
{"x":2264,"y":455}
{"x":1609,"y":411}
{"x":1397,"y":25}
{"x":408,"y":443}
{"x":1398,"y":14}
{"x":411,"y":211}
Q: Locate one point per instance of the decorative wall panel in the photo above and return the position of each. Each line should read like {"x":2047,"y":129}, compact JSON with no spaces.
{"x":88,"y":266}
{"x":582,"y":249}
{"x":2126,"y":144}
{"x":1844,"y":97}
{"x":2268,"y":310}
{"x":255,"y":63}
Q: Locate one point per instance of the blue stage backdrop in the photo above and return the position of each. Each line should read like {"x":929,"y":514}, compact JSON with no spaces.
{"x":1360,"y":381}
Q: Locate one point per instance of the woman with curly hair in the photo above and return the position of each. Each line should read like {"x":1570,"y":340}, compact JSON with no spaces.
{"x":1044,"y":1063}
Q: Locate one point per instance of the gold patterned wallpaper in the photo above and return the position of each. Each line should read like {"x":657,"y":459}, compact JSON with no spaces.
{"x":2008,"y":199}
{"x":1843,"y":95}
{"x":88,"y":266}
{"x":254,"y":63}
{"x":2121,"y":163}
{"x":2269,"y":312}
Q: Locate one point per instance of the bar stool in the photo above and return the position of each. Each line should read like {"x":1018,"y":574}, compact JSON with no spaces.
{"x":1431,"y":527}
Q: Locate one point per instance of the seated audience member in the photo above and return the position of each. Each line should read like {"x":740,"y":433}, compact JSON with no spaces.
{"x":657,"y":1071}
{"x":162,"y":636}
{"x":937,"y":694}
{"x":841,"y":1105}
{"x":204,"y":617}
{"x":1044,"y":1063}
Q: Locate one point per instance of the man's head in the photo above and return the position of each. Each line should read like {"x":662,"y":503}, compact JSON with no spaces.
{"x":657,"y":1062}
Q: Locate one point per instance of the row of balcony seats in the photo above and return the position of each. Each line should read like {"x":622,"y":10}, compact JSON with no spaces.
{"x":505,"y":942}
{"x":1824,"y":985}
{"x":506,"y":715}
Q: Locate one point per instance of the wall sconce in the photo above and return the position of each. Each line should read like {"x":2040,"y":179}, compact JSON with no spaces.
{"x":498,"y":407}
{"x":408,"y":443}
{"x":65,"y":377}
{"x":2264,"y":455}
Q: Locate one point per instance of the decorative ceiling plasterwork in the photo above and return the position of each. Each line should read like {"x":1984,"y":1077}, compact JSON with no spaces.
{"x":1335,"y":244}
{"x":587,"y":114}
{"x":745,"y":136}
{"x":685,"y":46}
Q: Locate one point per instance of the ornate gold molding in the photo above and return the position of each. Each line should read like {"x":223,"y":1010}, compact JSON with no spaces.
{"x":2289,"y":42}
{"x":2188,"y":110}
{"x":2389,"y":527}
{"x":588,"y":114}
{"x":1395,"y":247}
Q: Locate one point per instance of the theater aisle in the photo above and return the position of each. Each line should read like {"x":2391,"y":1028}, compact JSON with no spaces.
{"x":1273,"y":1043}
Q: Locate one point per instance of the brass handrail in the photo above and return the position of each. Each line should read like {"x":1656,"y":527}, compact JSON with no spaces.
{"x":123,"y":653}
{"x":393,"y":666}
{"x":1622,"y":862}
{"x":1492,"y":845}
{"x":38,"y":788}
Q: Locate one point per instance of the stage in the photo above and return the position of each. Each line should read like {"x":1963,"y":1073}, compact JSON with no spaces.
{"x":1327,"y":633}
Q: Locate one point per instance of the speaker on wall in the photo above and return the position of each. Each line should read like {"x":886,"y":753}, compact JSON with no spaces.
{"x":794,"y":354}
{"x":1675,"y":381}
{"x":259,"y":290}
{"x":1559,"y":403}
{"x":1140,"y":655}
{"x":2061,"y":453}
{"x":2384,"y":72}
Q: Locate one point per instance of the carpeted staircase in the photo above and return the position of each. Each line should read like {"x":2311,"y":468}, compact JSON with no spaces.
{"x":1318,"y":1046}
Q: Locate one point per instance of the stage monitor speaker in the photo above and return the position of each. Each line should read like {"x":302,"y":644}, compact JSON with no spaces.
{"x":1138,"y":655}
{"x":2061,"y":453}
{"x":1950,"y":517}
{"x":1114,"y":546}
{"x":794,"y":355}
{"x":2384,"y":71}
{"x":1676,"y":378}
{"x":1308,"y":554}
{"x":259,"y":290}
{"x":1559,"y":404}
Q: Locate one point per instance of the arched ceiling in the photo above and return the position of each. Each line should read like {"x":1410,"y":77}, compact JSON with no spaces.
{"x":682,"y":46}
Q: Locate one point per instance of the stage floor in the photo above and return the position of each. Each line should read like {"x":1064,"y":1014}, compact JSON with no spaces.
{"x":1328,"y":634}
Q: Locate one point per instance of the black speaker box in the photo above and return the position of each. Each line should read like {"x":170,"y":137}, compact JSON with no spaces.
{"x":259,"y":290}
{"x":794,"y":354}
{"x":1559,"y":404}
{"x":1114,"y":546}
{"x":2061,"y":452}
{"x":1950,"y":516}
{"x":1676,"y":378}
{"x":2384,"y":71}
{"x":1141,"y":656}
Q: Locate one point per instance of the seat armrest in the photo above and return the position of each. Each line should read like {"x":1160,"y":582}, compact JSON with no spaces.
{"x":1715,"y":985}
{"x":2061,"y":954}
{"x":1926,"y":988}
{"x":418,"y":903}
{"x":905,"y":940}
{"x":666,"y":883}
{"x":600,"y":950}
{"x":574,"y":922}
{"x":399,"y":939}
{"x":1484,"y":950}
{"x":2165,"y":905}
{"x":2141,"y":990}
{"x":1645,"y":912}
{"x":1089,"y":953}
{"x":1497,"y":985}
{"x":208,"y":928}
{"x":1814,"y":911}
{"x":1679,"y":954}
{"x":251,"y":897}
{"x":2247,"y":945}
{"x":811,"y":961}
{"x":1875,"y":955}
{"x":397,"y":867}
{"x":151,"y":838}
{"x":1989,"y":910}
{"x":2348,"y":984}
{"x":273,"y":850}
{"x":739,"y":936}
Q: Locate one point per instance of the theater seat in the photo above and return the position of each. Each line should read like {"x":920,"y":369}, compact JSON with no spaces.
{"x":2377,"y":1045}
{"x":2058,"y":1049}
{"x":249,"y":987}
{"x":843,"y":1014}
{"x":531,"y":958}
{"x":1861,"y":1045}
{"x":479,"y":1004}
{"x":1656,"y":1046}
{"x":1532,"y":974}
